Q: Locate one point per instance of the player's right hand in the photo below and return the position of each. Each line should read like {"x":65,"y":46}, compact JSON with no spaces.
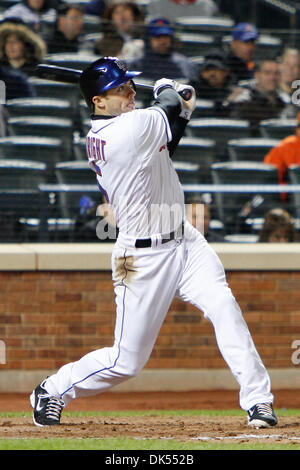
{"x":188,"y":106}
{"x":160,"y":84}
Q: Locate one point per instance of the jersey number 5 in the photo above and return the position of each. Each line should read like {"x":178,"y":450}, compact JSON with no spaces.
{"x":95,"y":151}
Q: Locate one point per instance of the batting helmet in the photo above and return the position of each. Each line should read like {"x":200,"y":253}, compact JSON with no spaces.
{"x":102,"y":75}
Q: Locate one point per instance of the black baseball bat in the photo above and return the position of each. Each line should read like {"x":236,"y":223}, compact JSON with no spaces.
{"x":69,"y":75}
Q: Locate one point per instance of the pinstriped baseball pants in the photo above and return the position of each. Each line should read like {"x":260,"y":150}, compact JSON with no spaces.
{"x":145,"y":281}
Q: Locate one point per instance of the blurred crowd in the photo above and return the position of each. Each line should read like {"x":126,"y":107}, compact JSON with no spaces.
{"x":232,"y":73}
{"x":146,"y":36}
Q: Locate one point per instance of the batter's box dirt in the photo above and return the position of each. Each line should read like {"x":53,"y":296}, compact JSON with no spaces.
{"x":201,"y":428}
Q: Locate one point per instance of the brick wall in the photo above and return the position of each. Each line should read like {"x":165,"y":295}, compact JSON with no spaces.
{"x":50,"y":318}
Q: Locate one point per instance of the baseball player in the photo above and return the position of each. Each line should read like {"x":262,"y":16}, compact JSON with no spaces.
{"x":158,"y":253}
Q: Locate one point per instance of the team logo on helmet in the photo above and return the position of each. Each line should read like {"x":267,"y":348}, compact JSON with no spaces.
{"x":121,"y":65}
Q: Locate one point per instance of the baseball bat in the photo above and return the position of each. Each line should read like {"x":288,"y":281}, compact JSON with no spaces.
{"x":70,"y":75}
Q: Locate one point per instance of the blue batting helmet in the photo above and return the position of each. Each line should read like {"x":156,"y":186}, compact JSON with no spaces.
{"x":102,"y":75}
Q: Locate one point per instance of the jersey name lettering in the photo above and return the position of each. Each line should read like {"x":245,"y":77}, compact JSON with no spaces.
{"x":95,"y":149}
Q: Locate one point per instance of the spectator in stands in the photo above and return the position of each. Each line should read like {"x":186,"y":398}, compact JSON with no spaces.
{"x":241,"y":51}
{"x":286,"y":153}
{"x":159,"y":58}
{"x":262,"y":100}
{"x":278,"y":227}
{"x":67,"y":35}
{"x":125,"y":19}
{"x":173,"y":9}
{"x":289,"y":69}
{"x":215,"y":82}
{"x":31,"y":12}
{"x":198,"y":214}
{"x":20,"y":48}
{"x":111,"y":44}
{"x":16,"y":84}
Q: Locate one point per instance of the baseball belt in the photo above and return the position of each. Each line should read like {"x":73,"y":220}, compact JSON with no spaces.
{"x":147,"y":242}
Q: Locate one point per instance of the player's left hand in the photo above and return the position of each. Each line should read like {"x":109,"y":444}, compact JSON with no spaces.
{"x":187,"y":106}
{"x":160,"y":84}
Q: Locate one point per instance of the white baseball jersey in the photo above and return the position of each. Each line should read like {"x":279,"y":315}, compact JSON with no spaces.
{"x":134,"y":171}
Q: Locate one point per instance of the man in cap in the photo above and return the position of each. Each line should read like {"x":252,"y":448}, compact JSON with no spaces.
{"x":159,"y":58}
{"x":68,"y":34}
{"x":241,"y":52}
{"x":215,"y":81}
{"x":263,"y":99}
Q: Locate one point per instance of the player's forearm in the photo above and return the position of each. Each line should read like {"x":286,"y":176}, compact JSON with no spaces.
{"x":177,"y":129}
{"x":169,"y":100}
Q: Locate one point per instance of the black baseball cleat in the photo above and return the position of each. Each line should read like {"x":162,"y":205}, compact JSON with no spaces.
{"x":47,"y":408}
{"x":262,"y":415}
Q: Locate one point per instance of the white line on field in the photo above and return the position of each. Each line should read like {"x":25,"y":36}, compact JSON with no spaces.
{"x":245,"y":436}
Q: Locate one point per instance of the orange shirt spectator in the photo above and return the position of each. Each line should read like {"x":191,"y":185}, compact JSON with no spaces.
{"x":286,"y":153}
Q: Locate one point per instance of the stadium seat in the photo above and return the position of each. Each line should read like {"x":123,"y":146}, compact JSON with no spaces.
{"x":78,"y":172}
{"x":293,"y":176}
{"x":229,"y":205}
{"x":70,"y":173}
{"x":84,"y":110}
{"x":51,"y":89}
{"x":22,"y":174}
{"x":5,"y":4}
{"x":219,"y":130}
{"x":91,"y":24}
{"x":90,"y":40}
{"x":277,"y":128}
{"x":241,"y":238}
{"x":79,"y":148}
{"x":197,"y":150}
{"x":204,"y":108}
{"x":40,"y":149}
{"x":197,"y":60}
{"x":144,"y":94}
{"x":85,"y":126}
{"x":75,"y":206}
{"x":71,"y":60}
{"x":47,"y":25}
{"x":266,"y":45}
{"x":195,"y":44}
{"x":39,"y":107}
{"x":43,"y":126}
{"x":214,"y":26}
{"x":251,"y":149}
{"x":19,"y":195}
{"x":188,"y":173}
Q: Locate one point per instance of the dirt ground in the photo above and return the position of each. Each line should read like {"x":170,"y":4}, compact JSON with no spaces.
{"x":183,"y":428}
